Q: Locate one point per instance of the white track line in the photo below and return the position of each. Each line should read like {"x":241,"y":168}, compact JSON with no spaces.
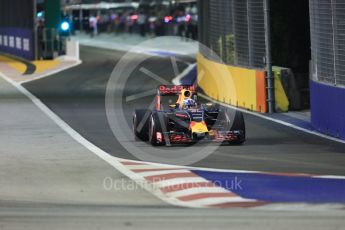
{"x":113,"y":161}
{"x":149,"y":166}
{"x":274,"y":120}
{"x":218,"y":200}
{"x":197,"y":190}
{"x":151,"y":51}
{"x":329,"y":177}
{"x":116,"y":162}
{"x":178,"y":181}
{"x":152,"y":165}
{"x":162,"y":172}
{"x":177,"y":81}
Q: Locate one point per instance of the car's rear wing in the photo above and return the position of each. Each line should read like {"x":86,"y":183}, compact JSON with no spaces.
{"x":165,"y":90}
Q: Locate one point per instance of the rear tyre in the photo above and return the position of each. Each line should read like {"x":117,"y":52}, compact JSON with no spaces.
{"x":155,"y":126}
{"x":141,"y":133}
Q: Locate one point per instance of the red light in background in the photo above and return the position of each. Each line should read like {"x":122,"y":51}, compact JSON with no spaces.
{"x":188,"y":17}
{"x":134,"y":17}
{"x":168,"y":19}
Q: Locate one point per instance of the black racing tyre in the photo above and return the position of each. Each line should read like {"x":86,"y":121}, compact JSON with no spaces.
{"x":155,"y":125}
{"x":138,"y":117}
{"x":239,"y":125}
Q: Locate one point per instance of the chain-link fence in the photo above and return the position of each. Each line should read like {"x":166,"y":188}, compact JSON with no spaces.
{"x":234,"y":30}
{"x":328,"y":41}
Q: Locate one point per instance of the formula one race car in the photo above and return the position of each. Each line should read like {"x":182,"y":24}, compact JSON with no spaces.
{"x":186,"y":121}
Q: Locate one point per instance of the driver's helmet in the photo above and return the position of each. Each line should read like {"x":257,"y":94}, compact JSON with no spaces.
{"x":188,"y":103}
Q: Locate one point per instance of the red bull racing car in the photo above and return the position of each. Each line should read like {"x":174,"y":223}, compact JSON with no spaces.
{"x":179,"y":119}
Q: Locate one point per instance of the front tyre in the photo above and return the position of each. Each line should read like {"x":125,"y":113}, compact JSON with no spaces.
{"x":141,"y":124}
{"x":156,"y":124}
{"x":238,"y":125}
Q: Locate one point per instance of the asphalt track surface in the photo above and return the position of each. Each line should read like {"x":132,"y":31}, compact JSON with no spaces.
{"x":77,"y":95}
{"x":50,"y":216}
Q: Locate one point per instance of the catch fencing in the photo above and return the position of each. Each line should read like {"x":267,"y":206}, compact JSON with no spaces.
{"x":328,"y":41}
{"x":234,"y":30}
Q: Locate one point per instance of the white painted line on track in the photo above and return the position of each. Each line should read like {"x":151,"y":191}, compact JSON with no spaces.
{"x":274,"y":120}
{"x":139,"y":177}
{"x":177,"y":81}
{"x":329,"y":177}
{"x":153,"y":167}
{"x":113,"y":161}
{"x":197,"y":190}
{"x":116,"y":162}
{"x":178,"y":181}
{"x":162,"y":172}
{"x":218,"y":200}
{"x":146,"y":167}
{"x":151,"y":51}
{"x":99,"y":151}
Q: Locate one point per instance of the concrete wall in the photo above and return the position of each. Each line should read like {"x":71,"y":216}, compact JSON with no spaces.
{"x":17,"y":41}
{"x":236,"y":86}
{"x":17,"y":27}
{"x":328,"y":109}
